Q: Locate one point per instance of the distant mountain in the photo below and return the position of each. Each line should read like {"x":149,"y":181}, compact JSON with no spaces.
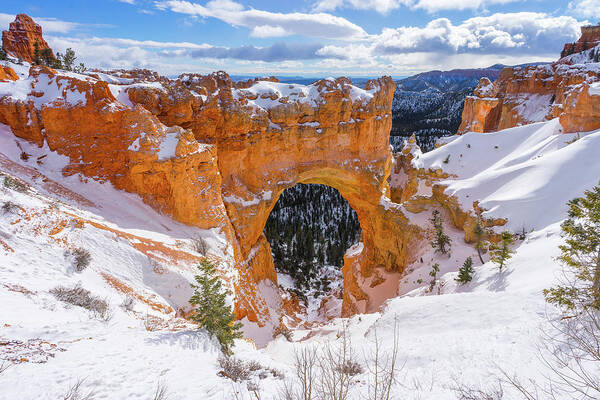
{"x":430,"y":104}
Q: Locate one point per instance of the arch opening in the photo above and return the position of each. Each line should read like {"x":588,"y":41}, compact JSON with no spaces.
{"x":309,"y":229}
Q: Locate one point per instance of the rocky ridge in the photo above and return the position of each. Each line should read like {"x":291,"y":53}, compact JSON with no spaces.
{"x":20,"y":39}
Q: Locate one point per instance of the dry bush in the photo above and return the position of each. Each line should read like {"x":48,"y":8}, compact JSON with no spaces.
{"x":334,"y":381}
{"x":234,"y":369}
{"x":467,"y":392}
{"x":81,"y":258}
{"x":199,"y":245}
{"x":284,"y":331}
{"x":238,"y":370}
{"x":128,"y":303}
{"x":15,"y":184}
{"x":75,"y":392}
{"x":382,"y":367}
{"x":9,"y":207}
{"x":4,"y":366}
{"x":161,"y":392}
{"x":81,"y":297}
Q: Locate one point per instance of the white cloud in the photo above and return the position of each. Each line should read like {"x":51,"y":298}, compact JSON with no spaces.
{"x":315,"y":25}
{"x":523,"y":33}
{"x":48,"y":24}
{"x":381,"y":6}
{"x":585,"y":8}
{"x":385,"y":6}
{"x":128,"y":1}
{"x":265,"y":31}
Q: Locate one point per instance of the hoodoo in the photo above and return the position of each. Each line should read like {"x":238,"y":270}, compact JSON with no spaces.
{"x":22,"y":37}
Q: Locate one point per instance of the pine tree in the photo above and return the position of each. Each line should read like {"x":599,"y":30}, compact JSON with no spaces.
{"x":212,"y":311}
{"x":435,"y":268}
{"x":48,"y":58}
{"x":580,"y":255}
{"x":3,"y":55}
{"x":68,"y":59}
{"x":441,"y":240}
{"x":465,"y":273}
{"x":479,"y":235}
{"x":501,"y":252}
{"x":37,"y":54}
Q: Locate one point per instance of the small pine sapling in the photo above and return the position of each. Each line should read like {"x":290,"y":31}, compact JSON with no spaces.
{"x":435,"y":268}
{"x":465,"y":273}
{"x":211,"y":309}
{"x":580,"y":255}
{"x":441,"y":241}
{"x":501,"y":252}
{"x":479,"y":237}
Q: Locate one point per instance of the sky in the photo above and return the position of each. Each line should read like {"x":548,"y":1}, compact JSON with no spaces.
{"x":309,"y":38}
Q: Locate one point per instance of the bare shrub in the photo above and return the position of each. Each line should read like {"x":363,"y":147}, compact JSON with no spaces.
{"x":75,"y":392}
{"x":199,"y":245}
{"x":81,"y":258}
{"x":468,"y":392}
{"x":152,"y":323}
{"x":334,"y":379}
{"x":284,"y":331}
{"x":81,"y":297}
{"x":305,"y":365}
{"x":15,"y":184}
{"x":128,"y":303}
{"x":382,"y":367}
{"x":161,"y":392}
{"x":4,"y":366}
{"x":9,"y":207}
{"x":234,"y":369}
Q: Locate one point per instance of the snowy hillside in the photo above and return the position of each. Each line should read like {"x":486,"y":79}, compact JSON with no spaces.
{"x":524,"y":174}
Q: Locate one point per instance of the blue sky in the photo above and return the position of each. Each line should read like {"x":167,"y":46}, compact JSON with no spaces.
{"x":307,"y":37}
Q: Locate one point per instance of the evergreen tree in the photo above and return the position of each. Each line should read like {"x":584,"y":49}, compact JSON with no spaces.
{"x":68,"y":59}
{"x":501,"y":252}
{"x":37,"y":54}
{"x":435,"y":268}
{"x":465,"y":273}
{"x":479,"y":236}
{"x":3,"y":55}
{"x":211,"y":309}
{"x":441,"y":240}
{"x":580,"y":255}
{"x":48,"y":58}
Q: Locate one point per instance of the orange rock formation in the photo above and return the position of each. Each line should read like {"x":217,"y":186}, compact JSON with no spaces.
{"x":538,"y":93}
{"x":20,"y":38}
{"x":217,"y":154}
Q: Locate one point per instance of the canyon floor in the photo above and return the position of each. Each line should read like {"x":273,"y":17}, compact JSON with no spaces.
{"x":450,"y":335}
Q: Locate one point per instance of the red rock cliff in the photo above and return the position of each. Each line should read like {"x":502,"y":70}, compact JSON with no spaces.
{"x":20,"y":38}
{"x":565,"y":90}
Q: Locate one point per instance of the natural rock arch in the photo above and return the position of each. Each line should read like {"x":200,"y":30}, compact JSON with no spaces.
{"x":217,"y":154}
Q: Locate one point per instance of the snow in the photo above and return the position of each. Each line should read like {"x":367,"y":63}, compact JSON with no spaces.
{"x":595,"y":89}
{"x":524,"y":174}
{"x":168,"y":146}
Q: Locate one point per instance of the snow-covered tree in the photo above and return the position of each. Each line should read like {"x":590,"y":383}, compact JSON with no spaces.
{"x":211,"y":309}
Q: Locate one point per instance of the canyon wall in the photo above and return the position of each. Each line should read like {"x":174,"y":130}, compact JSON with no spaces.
{"x":567,"y":89}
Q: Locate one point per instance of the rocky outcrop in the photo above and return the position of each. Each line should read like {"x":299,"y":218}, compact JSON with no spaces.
{"x":590,"y":38}
{"x":520,"y":96}
{"x":7,"y":74}
{"x":21,"y":37}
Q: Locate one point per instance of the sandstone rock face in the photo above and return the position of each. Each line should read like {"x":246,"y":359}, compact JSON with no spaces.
{"x":590,"y":38}
{"x":217,"y":154}
{"x":20,"y":38}
{"x":7,"y":74}
{"x":522,"y":96}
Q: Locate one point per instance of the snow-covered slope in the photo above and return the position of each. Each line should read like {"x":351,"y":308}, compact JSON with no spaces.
{"x":448,"y":335}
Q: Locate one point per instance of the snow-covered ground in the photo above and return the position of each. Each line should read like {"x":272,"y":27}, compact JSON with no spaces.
{"x":464,"y":333}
